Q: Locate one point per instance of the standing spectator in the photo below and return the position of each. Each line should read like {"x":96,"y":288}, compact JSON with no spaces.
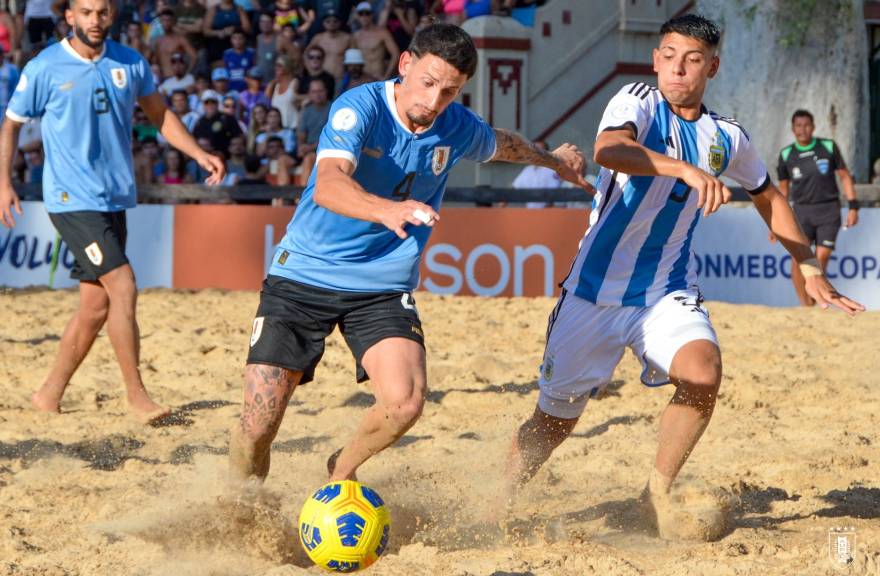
{"x":314,"y":70}
{"x":281,"y":91}
{"x":290,"y":12}
{"x":537,"y":177}
{"x":401,"y":17}
{"x":274,"y":129}
{"x":8,"y":34}
{"x":9,"y":75}
{"x":253,"y":95}
{"x":311,"y":122}
{"x":238,"y":60}
{"x":354,"y":71}
{"x":256,"y":126}
{"x":214,"y":125}
{"x":218,"y":26}
{"x":179,"y":79}
{"x":807,"y":173}
{"x":180,"y":106}
{"x":190,"y":15}
{"x":280,"y":164}
{"x":40,"y":22}
{"x":134,"y":39}
{"x":172,"y":42}
{"x":334,"y":41}
{"x":267,"y":47}
{"x":377,"y":45}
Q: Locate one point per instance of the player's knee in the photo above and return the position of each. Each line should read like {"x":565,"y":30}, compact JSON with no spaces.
{"x":403,"y":413}
{"x":94,"y":315}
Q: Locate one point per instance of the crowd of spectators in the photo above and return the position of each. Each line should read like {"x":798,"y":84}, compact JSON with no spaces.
{"x":252,"y":80}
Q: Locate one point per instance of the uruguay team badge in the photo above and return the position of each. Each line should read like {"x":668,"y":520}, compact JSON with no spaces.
{"x":441,"y":158}
{"x":119,"y":77}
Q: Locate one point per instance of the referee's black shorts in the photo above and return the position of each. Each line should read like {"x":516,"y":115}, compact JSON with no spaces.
{"x":96,"y":240}
{"x":294,"y":319}
{"x":820,"y":222}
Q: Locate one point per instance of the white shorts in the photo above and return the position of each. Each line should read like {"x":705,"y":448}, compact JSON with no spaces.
{"x":585,"y":342}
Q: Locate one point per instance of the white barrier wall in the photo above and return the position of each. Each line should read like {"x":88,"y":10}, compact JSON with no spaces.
{"x":26,"y":249}
{"x":737,"y":263}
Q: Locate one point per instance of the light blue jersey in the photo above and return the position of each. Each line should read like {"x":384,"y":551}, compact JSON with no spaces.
{"x":328,"y":250}
{"x":86,"y":109}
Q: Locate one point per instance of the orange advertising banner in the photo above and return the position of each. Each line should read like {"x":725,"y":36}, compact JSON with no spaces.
{"x":473,"y":251}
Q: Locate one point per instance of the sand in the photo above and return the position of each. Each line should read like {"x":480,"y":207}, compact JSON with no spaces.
{"x":793,"y":444}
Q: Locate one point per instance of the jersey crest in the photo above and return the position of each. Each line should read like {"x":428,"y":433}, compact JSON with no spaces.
{"x":120,"y":79}
{"x":441,"y":158}
{"x":716,"y":156}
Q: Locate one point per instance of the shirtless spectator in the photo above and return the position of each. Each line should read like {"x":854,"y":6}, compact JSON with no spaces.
{"x":172,"y":42}
{"x":401,"y":17}
{"x":354,"y":71}
{"x":280,"y":164}
{"x":334,"y":41}
{"x":377,"y":45}
{"x":314,"y":70}
{"x":311,"y":122}
{"x":190,"y":16}
{"x":179,"y":79}
{"x":134,"y":39}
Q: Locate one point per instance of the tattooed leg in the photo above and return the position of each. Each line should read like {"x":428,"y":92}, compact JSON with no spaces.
{"x":267,"y":389}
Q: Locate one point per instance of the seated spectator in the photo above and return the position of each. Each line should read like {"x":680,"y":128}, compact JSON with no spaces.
{"x":354,"y":71}
{"x":219,"y":24}
{"x":253,"y":95}
{"x":314,"y":65}
{"x":195,"y":172}
{"x":267,"y":47}
{"x":311,"y":122}
{"x":401,"y":17}
{"x":274,"y":129}
{"x":255,"y":172}
{"x":171,"y":43}
{"x":238,"y":60}
{"x":220,"y":85}
{"x":279,"y":164}
{"x":256,"y":126}
{"x":142,"y":126}
{"x":378,"y":49}
{"x":180,"y":106}
{"x":179,"y":79}
{"x":173,"y":169}
{"x":235,"y":164}
{"x":282,"y":90}
{"x":146,"y":161}
{"x":537,"y":177}
{"x":203,"y":82}
{"x":232,"y":107}
{"x":217,"y":127}
{"x":334,"y":41}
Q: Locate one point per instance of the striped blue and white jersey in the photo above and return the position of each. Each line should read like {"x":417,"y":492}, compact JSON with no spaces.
{"x":637,"y":247}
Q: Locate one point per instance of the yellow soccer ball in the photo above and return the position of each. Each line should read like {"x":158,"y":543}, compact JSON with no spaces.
{"x":344,"y":526}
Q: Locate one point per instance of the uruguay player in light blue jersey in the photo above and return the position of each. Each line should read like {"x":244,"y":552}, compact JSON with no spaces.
{"x":632,"y":284}
{"x":351,"y":253}
{"x":84,"y":89}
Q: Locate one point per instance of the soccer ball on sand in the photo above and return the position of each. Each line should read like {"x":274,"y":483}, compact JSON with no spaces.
{"x":344,"y":526}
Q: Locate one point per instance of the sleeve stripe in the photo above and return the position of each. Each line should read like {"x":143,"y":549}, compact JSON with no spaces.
{"x":16,"y":117}
{"x":494,"y":151}
{"x":762,"y":187}
{"x":344,"y":154}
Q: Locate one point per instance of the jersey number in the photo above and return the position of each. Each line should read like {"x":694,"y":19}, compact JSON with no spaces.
{"x":102,"y":103}
{"x":403,"y":190}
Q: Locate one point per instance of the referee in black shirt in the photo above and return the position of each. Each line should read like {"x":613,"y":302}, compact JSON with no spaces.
{"x":808,"y":170}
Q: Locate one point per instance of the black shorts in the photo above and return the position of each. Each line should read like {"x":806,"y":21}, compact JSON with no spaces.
{"x":820,"y":222}
{"x":294,"y":319}
{"x":96,"y":240}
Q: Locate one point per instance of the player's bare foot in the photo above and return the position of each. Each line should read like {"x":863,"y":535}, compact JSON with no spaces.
{"x":146,"y":411}
{"x":686,"y":515}
{"x":44,"y":401}
{"x":331,"y":467}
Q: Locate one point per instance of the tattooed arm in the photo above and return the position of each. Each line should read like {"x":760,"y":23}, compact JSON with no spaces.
{"x":567,"y":160}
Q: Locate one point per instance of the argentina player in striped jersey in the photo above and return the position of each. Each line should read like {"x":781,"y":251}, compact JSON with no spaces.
{"x":351,"y":253}
{"x":632,"y":284}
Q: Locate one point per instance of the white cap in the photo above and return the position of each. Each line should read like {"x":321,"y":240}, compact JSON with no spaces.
{"x":353,"y":56}
{"x":364,"y":7}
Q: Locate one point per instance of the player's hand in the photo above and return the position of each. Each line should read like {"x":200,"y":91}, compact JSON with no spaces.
{"x":821,"y":290}
{"x":712,"y":191}
{"x":572,"y":165}
{"x":8,"y":201}
{"x":215,"y":166}
{"x":852,"y":218}
{"x":396,"y":215}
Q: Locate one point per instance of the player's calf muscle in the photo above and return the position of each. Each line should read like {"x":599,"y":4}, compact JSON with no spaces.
{"x":267,"y":391}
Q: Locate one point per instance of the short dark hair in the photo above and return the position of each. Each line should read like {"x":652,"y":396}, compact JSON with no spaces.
{"x":694,"y":26}
{"x":448,"y":42}
{"x":801,"y":113}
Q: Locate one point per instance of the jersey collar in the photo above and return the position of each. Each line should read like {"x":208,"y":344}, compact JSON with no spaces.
{"x":70,"y":50}
{"x":809,"y":146}
{"x":392,"y":106}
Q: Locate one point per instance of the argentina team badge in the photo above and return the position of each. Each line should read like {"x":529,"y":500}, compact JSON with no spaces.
{"x":120,"y":79}
{"x":716,"y":156}
{"x":441,"y":158}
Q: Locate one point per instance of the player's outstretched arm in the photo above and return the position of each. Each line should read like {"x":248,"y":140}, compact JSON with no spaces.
{"x":776,"y":212}
{"x":619,"y":150}
{"x":175,"y":132}
{"x":8,"y":197}
{"x":567,"y":160}
{"x":338,"y":192}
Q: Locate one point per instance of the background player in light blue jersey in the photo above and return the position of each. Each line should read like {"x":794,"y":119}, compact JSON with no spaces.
{"x":632,"y":285}
{"x":351,"y":253}
{"x":85,"y":89}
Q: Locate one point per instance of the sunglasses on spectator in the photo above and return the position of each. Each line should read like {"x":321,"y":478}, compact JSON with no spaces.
{"x":365,"y":13}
